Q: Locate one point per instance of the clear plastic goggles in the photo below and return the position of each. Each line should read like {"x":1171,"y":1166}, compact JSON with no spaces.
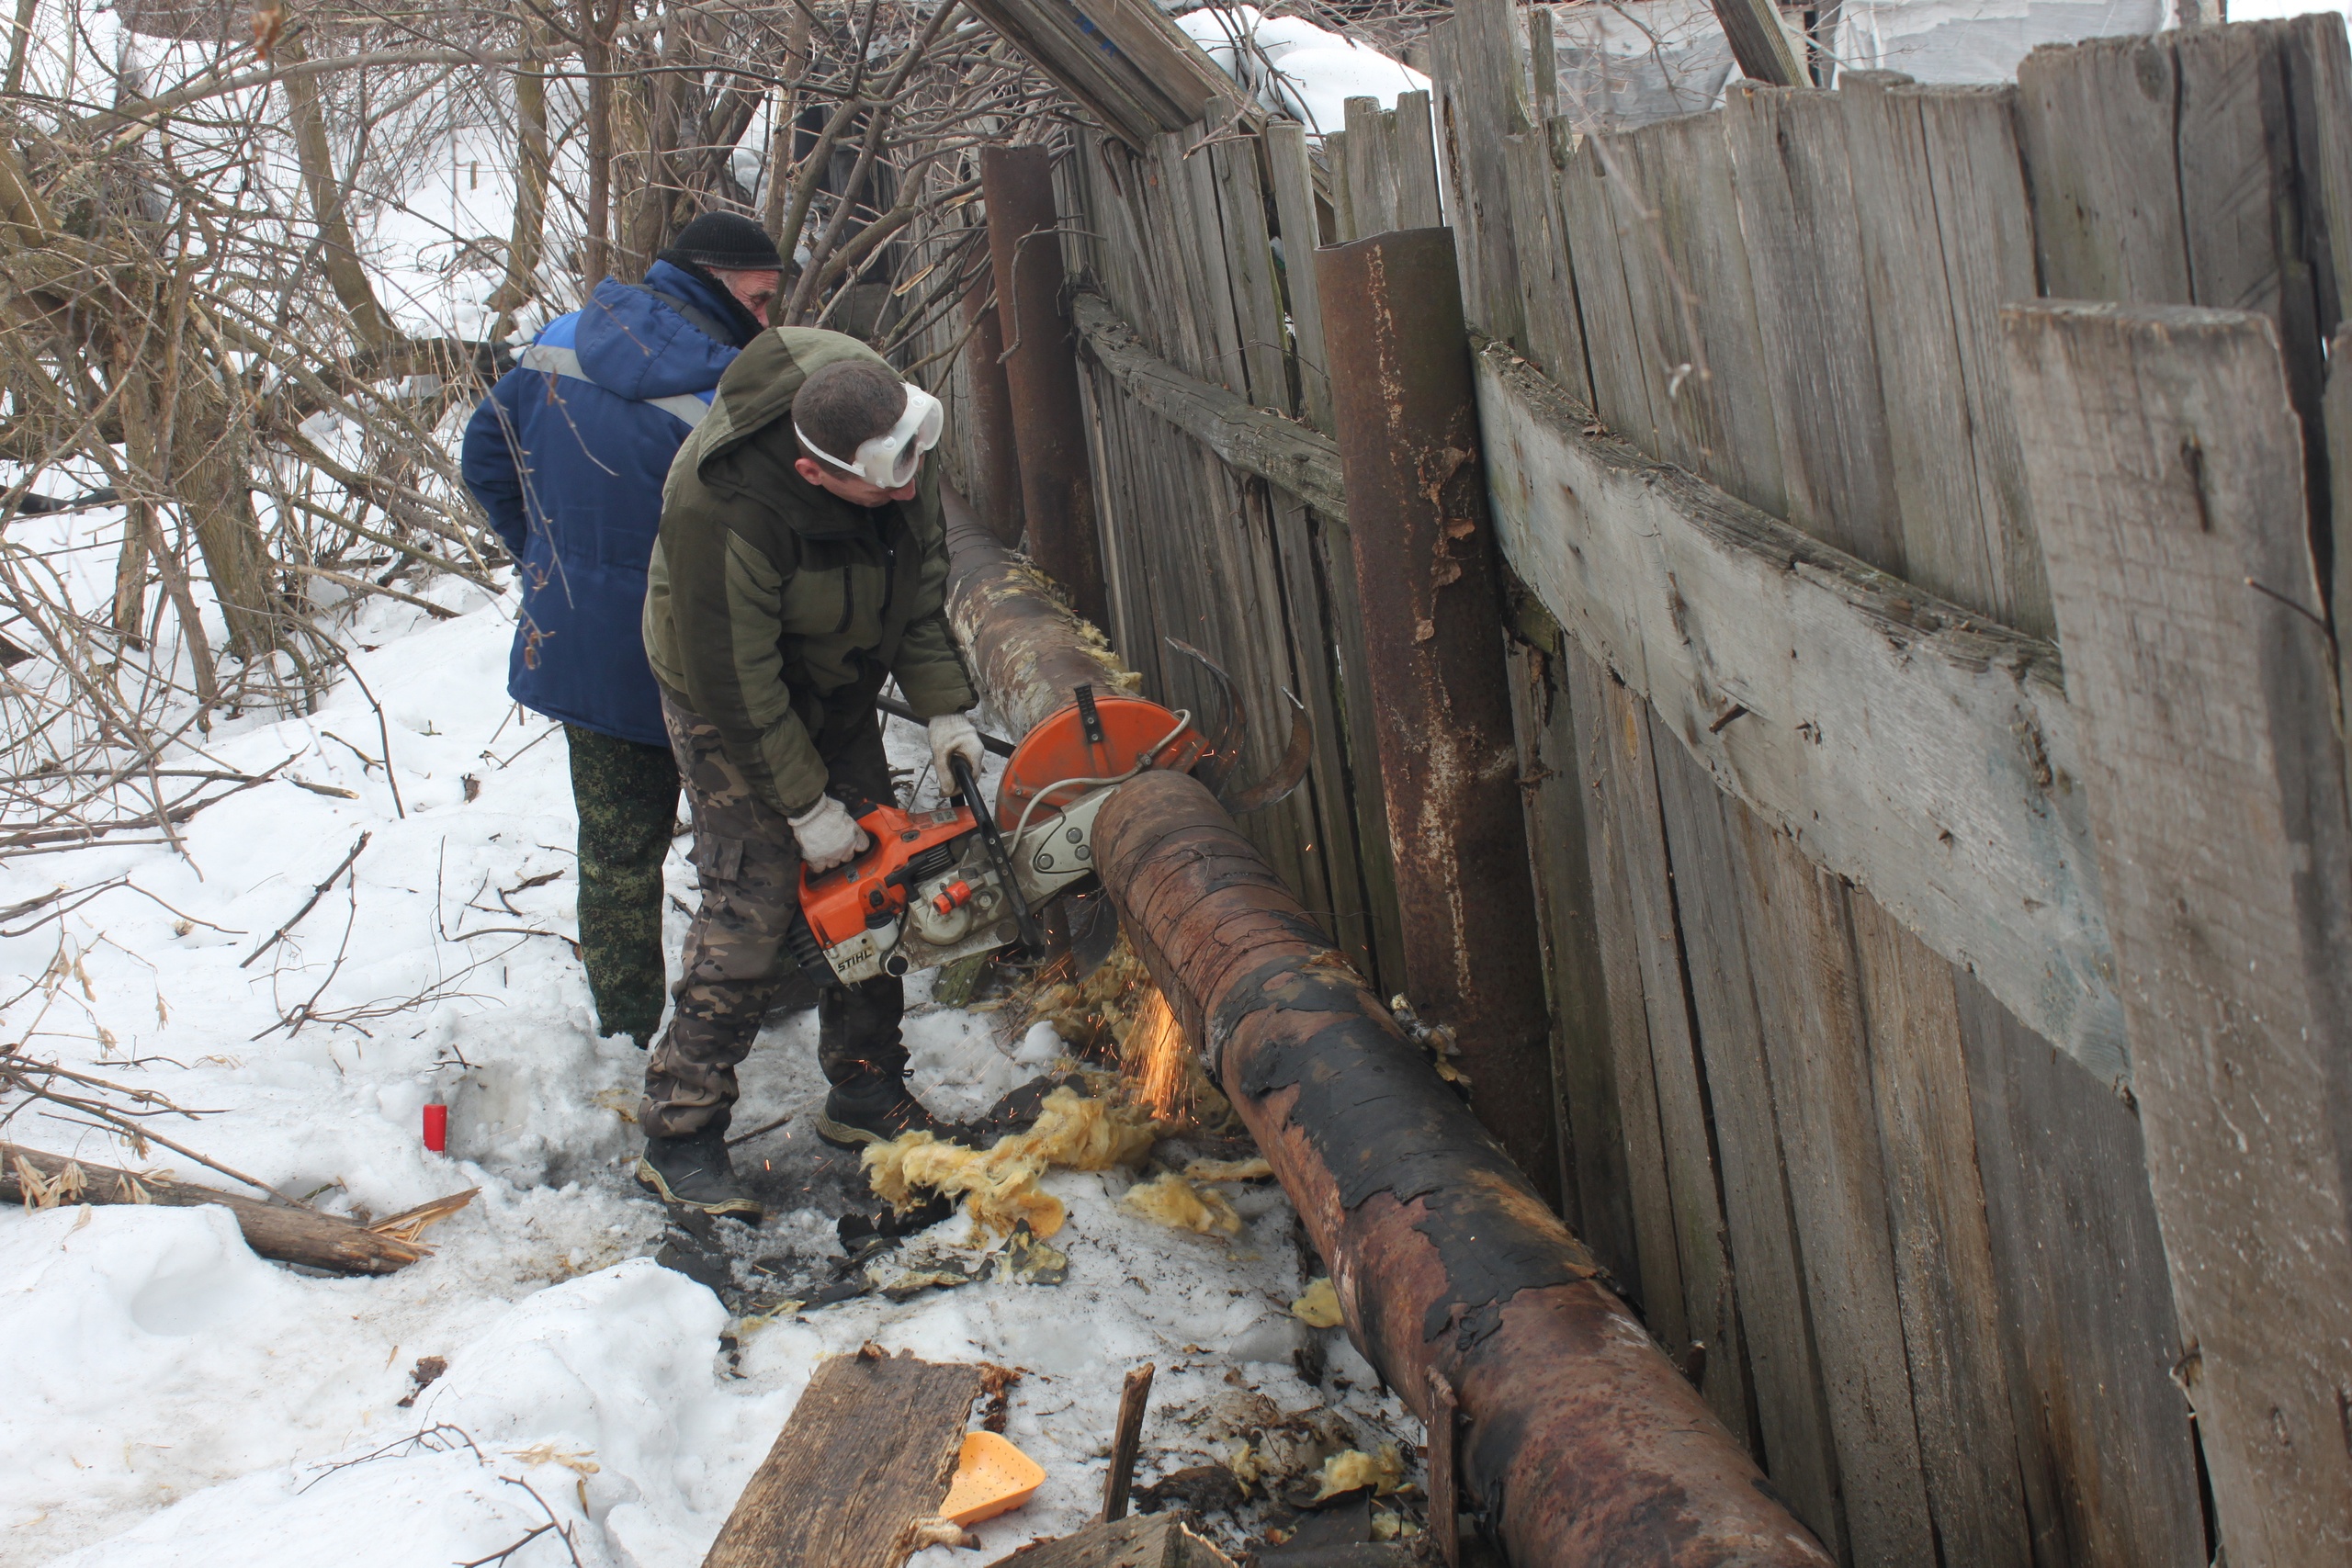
{"x":889,"y":461}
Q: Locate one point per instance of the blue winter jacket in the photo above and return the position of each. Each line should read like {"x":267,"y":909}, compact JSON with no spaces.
{"x":567,"y":455}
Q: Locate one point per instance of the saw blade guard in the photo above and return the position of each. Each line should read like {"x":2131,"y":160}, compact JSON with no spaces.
{"x":1098,"y":741}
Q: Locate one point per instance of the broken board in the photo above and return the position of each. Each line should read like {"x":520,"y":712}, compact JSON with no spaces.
{"x":1147,"y":1540}
{"x":867,"y":1454}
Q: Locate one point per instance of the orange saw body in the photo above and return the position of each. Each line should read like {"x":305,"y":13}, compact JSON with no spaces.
{"x":937,"y":886}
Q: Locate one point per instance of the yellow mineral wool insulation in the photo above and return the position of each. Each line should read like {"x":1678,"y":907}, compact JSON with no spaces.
{"x":1254,"y":1169}
{"x":998,"y":1185}
{"x":1320,"y":1307}
{"x":1173,"y":1200}
{"x":1352,"y":1468}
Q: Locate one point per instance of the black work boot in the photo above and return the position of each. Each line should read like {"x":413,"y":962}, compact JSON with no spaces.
{"x":693,"y":1172}
{"x":874,"y":1108}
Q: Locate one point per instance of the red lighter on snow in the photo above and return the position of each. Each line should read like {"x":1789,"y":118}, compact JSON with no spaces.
{"x":436,"y":1123}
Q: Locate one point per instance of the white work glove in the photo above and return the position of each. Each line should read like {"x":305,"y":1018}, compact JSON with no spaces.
{"x":828,"y":835}
{"x":952,"y":735}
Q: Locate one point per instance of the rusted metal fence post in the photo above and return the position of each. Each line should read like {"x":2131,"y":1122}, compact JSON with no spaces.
{"x":1406,"y":420}
{"x":996,"y":464}
{"x":1041,"y":368}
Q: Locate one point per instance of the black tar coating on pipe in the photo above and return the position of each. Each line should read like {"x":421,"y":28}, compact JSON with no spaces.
{"x":1404,"y":1133}
{"x":1370,"y":1104}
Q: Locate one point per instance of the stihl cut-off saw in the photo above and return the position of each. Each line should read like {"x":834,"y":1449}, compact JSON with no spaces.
{"x":938,"y":886}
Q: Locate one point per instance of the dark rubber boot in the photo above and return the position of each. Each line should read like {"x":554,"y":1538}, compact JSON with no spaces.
{"x":693,"y":1172}
{"x":875,"y":1108}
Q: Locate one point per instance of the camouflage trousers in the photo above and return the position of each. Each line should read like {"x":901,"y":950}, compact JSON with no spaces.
{"x":735,"y":964}
{"x":628,"y":798}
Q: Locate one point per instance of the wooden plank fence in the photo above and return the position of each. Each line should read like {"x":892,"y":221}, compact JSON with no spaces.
{"x":1932,"y":732}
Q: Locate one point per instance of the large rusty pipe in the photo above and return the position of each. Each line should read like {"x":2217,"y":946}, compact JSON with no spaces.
{"x":1579,"y":1442}
{"x":1427,"y":575}
{"x":1041,"y":368}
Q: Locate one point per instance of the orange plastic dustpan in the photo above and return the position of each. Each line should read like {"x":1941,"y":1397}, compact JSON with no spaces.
{"x":992,"y":1477}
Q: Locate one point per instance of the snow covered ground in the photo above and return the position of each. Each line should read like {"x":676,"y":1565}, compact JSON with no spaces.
{"x":174,"y":1400}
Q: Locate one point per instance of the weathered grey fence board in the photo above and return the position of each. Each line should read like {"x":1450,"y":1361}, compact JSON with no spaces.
{"x":1415,"y":154}
{"x":1946,"y":241}
{"x":1293,"y":186}
{"x":1774,"y":1315}
{"x":2104,"y":1454}
{"x":1555,"y":334}
{"x":1369,"y":165}
{"x":1249,"y":258}
{"x":2338,"y":427}
{"x":1929,"y":758}
{"x":1482,"y":100}
{"x":1812,"y":314}
{"x":1594,"y":1177}
{"x":1589,"y":222}
{"x":1338,"y":841}
{"x":1657,"y":1282}
{"x":2096,"y":122}
{"x":1202,"y":228}
{"x":1343,"y":630}
{"x":1655,"y":337}
{"x":1944,"y":1260}
{"x":1304,"y":461}
{"x":1711,"y":380}
{"x":1710,"y":1300}
{"x":1808,"y":990}
{"x":2166,"y":477}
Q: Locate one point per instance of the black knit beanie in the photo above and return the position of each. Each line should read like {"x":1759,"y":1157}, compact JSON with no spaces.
{"x":724,"y":240}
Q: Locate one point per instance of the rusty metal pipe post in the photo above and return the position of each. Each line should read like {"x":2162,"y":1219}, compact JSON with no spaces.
{"x":996,"y":463}
{"x":1581,"y":1444}
{"x":1041,"y":368}
{"x":1427,"y":578}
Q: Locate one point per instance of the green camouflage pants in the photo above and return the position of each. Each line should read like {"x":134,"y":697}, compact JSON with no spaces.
{"x":735,"y":964}
{"x":628,"y":798}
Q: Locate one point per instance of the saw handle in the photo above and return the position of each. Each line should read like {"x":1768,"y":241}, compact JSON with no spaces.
{"x":1032,"y":936}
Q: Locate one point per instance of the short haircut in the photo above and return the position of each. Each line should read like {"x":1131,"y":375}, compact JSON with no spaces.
{"x":846,"y":404}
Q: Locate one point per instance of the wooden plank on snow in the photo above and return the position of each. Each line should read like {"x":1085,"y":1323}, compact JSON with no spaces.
{"x":1147,"y":1540}
{"x":2166,"y":475}
{"x":868,"y":1451}
{"x":1907,"y":745}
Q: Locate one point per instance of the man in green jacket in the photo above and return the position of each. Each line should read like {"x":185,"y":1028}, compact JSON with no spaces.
{"x":801,"y":562}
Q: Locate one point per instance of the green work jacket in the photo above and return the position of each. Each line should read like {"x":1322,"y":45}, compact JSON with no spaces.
{"x":775,"y":609}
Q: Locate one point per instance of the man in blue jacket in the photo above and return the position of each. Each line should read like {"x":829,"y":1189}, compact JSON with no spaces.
{"x":568,"y":455}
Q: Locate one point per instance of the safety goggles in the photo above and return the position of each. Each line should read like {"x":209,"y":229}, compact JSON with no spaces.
{"x":889,"y":461}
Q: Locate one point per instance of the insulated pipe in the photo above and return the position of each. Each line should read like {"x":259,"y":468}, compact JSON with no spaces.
{"x":1578,"y":1443}
{"x":1430,"y":579}
{"x":1041,"y":368}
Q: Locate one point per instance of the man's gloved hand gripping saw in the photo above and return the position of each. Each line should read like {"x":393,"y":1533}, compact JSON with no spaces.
{"x":934,"y":886}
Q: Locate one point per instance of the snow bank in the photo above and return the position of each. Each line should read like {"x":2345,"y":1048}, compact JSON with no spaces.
{"x":177,"y":1401}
